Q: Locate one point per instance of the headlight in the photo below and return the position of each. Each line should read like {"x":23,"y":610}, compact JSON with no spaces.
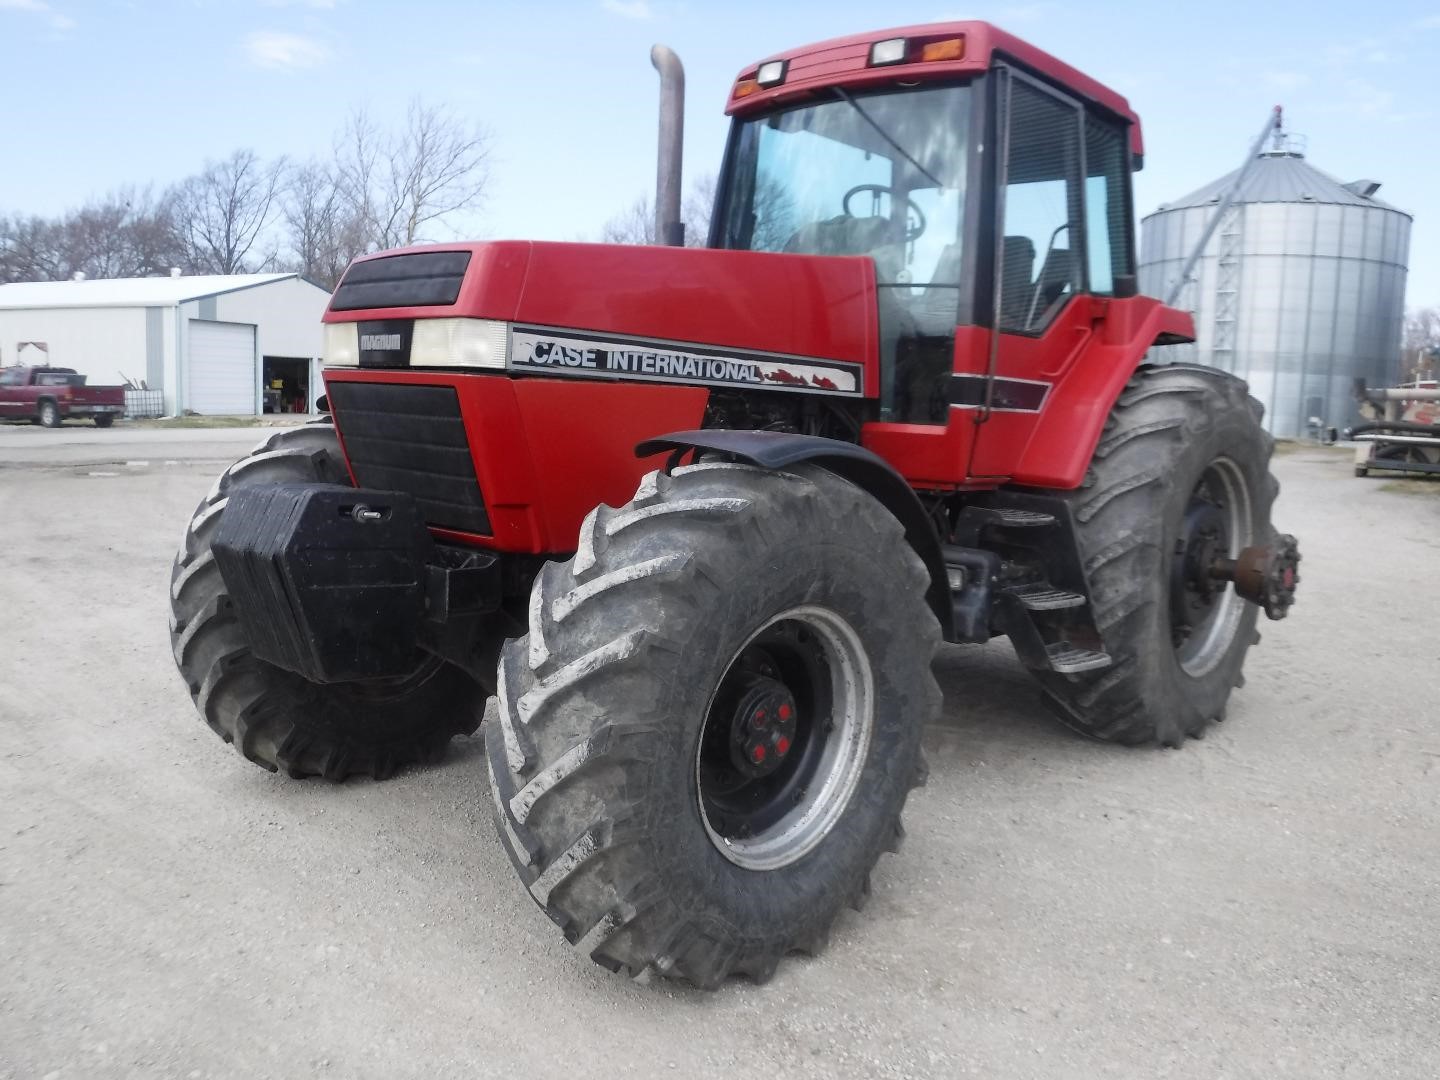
{"x":342,"y":343}
{"x":459,"y":343}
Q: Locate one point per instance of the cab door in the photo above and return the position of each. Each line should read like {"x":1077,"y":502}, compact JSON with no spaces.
{"x":1059,"y":216}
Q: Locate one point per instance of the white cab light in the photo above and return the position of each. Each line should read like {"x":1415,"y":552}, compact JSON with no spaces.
{"x":770,"y":73}
{"x":887,"y":52}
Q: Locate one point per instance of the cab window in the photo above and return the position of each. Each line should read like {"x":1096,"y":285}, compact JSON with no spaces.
{"x":1043,"y":234}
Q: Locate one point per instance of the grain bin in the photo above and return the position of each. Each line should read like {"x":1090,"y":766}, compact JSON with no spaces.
{"x":1300,"y":288}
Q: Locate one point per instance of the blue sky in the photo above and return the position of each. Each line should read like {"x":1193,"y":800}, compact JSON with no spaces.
{"x":99,"y":93}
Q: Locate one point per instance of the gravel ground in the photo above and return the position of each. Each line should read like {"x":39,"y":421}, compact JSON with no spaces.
{"x":1262,"y":903}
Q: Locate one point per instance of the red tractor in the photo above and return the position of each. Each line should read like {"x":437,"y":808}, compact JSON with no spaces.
{"x":698,"y":519}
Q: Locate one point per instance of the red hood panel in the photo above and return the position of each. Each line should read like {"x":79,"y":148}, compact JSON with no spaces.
{"x":800,"y":305}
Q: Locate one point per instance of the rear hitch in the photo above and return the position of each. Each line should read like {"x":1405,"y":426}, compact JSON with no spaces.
{"x":1266,"y":574}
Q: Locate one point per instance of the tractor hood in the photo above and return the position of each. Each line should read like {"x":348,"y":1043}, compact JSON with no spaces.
{"x":803,"y":306}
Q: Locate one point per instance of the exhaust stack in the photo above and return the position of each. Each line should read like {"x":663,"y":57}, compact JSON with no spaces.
{"x":669,"y":229}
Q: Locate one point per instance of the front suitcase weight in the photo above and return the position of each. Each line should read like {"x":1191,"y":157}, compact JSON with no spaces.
{"x":327,"y":581}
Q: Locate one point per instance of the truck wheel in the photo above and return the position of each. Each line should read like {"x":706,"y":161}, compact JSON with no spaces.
{"x":274,"y":717}
{"x":709,"y":732}
{"x":1182,"y":470}
{"x":49,"y":414}
{"x":103,"y":420}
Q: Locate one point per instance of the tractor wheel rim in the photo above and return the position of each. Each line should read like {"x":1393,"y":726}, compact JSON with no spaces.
{"x":1201,"y":645}
{"x":765,"y":814}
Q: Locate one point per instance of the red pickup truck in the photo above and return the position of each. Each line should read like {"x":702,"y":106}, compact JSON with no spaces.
{"x":50,"y":395}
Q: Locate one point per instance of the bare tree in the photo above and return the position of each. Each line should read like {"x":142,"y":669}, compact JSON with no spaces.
{"x":696,"y":208}
{"x":382,"y":189}
{"x":633,"y":225}
{"x":324,"y":231}
{"x":403,"y":184}
{"x":774,"y":217}
{"x":128,"y":233}
{"x":636,"y":223}
{"x":224,"y":213}
{"x":124,"y":234}
{"x":1421,"y":344}
{"x":1422,"y":328}
{"x":30,"y":249}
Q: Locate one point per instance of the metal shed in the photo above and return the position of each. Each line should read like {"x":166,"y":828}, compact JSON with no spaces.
{"x":229,"y":344}
{"x":1300,"y":289}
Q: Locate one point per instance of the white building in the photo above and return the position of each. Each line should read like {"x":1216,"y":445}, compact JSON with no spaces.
{"x":223,"y":345}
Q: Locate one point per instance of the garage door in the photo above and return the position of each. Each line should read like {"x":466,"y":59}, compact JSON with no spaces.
{"x":221,"y":371}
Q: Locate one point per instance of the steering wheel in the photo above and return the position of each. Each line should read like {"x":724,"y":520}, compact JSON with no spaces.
{"x":876,"y":190}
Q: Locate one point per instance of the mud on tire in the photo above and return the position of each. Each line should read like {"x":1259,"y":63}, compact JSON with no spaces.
{"x":275,"y":718}
{"x":602,"y":704}
{"x":1170,"y":424}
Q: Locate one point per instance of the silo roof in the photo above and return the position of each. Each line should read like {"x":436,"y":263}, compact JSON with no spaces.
{"x":1280,"y":178}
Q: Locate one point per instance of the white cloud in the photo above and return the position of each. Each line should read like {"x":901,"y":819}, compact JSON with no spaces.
{"x":628,"y":9}
{"x":318,"y":5}
{"x":57,"y":20}
{"x":272,"y":49}
{"x":1429,"y":22}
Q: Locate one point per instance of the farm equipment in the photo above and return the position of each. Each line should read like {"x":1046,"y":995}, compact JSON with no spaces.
{"x":698,"y":519}
{"x":1401,"y":432}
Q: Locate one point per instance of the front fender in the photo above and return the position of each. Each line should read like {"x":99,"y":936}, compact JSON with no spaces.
{"x":861,"y":467}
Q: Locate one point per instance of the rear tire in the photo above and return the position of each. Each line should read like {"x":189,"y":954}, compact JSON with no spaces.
{"x":104,"y":420}
{"x":1172,"y":426}
{"x":278,"y":719}
{"x":607,"y":708}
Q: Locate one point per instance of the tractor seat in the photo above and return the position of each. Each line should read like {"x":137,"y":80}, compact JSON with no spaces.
{"x":1054,"y":287}
{"x":1016,"y":281}
{"x":937,"y":307}
{"x":846,"y":235}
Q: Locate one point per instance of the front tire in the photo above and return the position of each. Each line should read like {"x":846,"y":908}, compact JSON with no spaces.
{"x":275,"y":718}
{"x":1183,"y":452}
{"x":49,"y":415}
{"x":652,"y":841}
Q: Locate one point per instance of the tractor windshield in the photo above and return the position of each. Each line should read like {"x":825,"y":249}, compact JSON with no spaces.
{"x":882,"y":175}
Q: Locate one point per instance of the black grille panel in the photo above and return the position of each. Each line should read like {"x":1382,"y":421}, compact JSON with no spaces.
{"x":425,"y":279}
{"x":412,"y":439}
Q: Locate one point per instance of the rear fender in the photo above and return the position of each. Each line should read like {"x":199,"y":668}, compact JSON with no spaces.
{"x":867,"y":471}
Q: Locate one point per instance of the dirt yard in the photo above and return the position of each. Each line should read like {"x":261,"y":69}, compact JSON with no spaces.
{"x":1263,"y":903}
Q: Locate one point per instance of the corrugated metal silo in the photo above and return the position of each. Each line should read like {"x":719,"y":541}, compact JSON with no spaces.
{"x":1300,"y":288}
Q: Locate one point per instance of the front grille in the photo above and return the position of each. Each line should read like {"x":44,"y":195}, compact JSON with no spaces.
{"x":425,"y":279}
{"x":412,"y":439}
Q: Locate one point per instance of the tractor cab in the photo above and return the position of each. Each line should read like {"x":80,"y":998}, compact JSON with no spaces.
{"x":988,"y":182}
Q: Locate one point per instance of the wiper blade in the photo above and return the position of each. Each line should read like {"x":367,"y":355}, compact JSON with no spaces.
{"x":845,"y":97}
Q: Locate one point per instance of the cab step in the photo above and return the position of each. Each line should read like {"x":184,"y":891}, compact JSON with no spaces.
{"x":1008,"y":518}
{"x":1068,"y":659}
{"x":1042,"y":596}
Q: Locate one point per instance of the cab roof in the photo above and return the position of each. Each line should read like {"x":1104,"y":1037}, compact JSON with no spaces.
{"x":845,"y":61}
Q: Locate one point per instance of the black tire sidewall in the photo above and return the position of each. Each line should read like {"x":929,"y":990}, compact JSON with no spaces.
{"x":1234,"y":436}
{"x":779,"y":903}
